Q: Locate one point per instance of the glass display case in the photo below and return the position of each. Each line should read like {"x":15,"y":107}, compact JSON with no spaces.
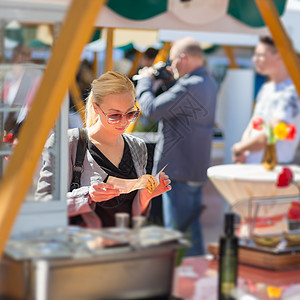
{"x":263,"y":216}
{"x":18,"y":84}
{"x":265,"y":232}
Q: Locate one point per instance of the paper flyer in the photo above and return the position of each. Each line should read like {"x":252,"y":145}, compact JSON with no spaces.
{"x":126,"y":186}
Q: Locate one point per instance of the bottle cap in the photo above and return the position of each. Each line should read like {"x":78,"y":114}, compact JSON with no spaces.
{"x":229,"y":223}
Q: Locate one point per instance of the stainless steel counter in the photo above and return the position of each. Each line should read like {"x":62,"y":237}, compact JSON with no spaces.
{"x":139,"y":268}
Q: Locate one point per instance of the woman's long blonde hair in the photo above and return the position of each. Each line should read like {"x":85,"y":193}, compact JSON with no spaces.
{"x":108,"y":83}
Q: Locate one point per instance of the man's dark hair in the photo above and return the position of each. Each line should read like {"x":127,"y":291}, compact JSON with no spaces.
{"x":267,"y":40}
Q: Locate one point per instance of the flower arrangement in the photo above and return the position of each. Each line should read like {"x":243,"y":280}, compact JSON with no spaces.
{"x":284,"y":179}
{"x":281,"y":131}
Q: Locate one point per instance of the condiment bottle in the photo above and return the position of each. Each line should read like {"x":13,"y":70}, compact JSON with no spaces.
{"x":228,"y":260}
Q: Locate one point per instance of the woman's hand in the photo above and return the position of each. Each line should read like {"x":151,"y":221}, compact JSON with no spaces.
{"x":102,"y":192}
{"x":164,"y":186}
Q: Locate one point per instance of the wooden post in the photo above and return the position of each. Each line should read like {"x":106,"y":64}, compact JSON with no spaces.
{"x":77,"y":100}
{"x":283,"y":43}
{"x":163,"y":53}
{"x":109,"y":65}
{"x":95,"y":64}
{"x":60,"y":71}
{"x":135,"y":64}
{"x":230,"y":54}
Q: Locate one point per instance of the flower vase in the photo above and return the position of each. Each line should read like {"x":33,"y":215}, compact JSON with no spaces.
{"x":269,"y":160}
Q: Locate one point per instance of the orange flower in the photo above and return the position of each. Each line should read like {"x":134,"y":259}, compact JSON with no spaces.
{"x":274,"y":292}
{"x":281,"y":130}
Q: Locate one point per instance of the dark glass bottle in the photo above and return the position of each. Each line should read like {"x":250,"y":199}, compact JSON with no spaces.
{"x":228,"y":260}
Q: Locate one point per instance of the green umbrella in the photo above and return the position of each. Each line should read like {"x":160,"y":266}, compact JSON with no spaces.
{"x":138,"y":10}
{"x":247,"y":11}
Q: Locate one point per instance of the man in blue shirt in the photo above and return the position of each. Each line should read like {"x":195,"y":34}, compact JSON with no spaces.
{"x":186,"y":118}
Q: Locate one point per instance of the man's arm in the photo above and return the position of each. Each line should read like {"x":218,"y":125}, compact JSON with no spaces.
{"x":157,"y":108}
{"x":247,"y":132}
{"x":252,"y":144}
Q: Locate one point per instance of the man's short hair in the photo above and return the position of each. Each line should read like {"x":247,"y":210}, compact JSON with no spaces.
{"x":189,"y":46}
{"x":268,"y":40}
{"x":193,"y":50}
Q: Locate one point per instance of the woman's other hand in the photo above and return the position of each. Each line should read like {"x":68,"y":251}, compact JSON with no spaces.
{"x":102,"y":192}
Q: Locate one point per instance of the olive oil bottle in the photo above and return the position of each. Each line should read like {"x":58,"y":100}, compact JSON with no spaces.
{"x":228,"y":260}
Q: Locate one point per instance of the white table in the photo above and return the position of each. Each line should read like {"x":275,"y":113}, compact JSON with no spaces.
{"x":243,"y":181}
{"x":238,"y":183}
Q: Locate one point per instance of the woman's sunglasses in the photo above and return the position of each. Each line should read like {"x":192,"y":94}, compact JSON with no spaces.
{"x":116,"y":118}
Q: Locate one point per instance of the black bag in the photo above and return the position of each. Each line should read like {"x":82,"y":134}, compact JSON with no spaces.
{"x":78,"y":169}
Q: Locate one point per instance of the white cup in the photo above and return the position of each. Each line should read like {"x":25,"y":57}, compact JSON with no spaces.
{"x":138,"y":222}
{"x":122,"y":220}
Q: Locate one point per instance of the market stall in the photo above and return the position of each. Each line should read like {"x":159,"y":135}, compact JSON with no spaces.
{"x":79,"y":18}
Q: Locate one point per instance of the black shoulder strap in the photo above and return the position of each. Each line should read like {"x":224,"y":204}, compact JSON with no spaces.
{"x":80,"y":154}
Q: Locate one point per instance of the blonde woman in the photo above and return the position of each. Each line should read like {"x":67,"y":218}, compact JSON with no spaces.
{"x":110,"y":152}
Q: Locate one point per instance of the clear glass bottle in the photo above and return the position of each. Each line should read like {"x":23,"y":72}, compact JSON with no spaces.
{"x":228,"y":260}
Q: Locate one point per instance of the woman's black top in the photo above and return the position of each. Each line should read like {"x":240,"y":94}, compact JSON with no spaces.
{"x":106,"y":210}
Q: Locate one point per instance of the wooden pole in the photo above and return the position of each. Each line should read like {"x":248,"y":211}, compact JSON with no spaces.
{"x":230,"y":54}
{"x":135,"y":64}
{"x":77,"y":100}
{"x":58,"y":75}
{"x":95,"y":64}
{"x":283,"y":43}
{"x":109,"y":66}
{"x":163,"y":53}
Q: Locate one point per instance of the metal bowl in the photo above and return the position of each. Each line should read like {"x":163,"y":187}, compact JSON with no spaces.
{"x":270,"y":241}
{"x":292,"y":238}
